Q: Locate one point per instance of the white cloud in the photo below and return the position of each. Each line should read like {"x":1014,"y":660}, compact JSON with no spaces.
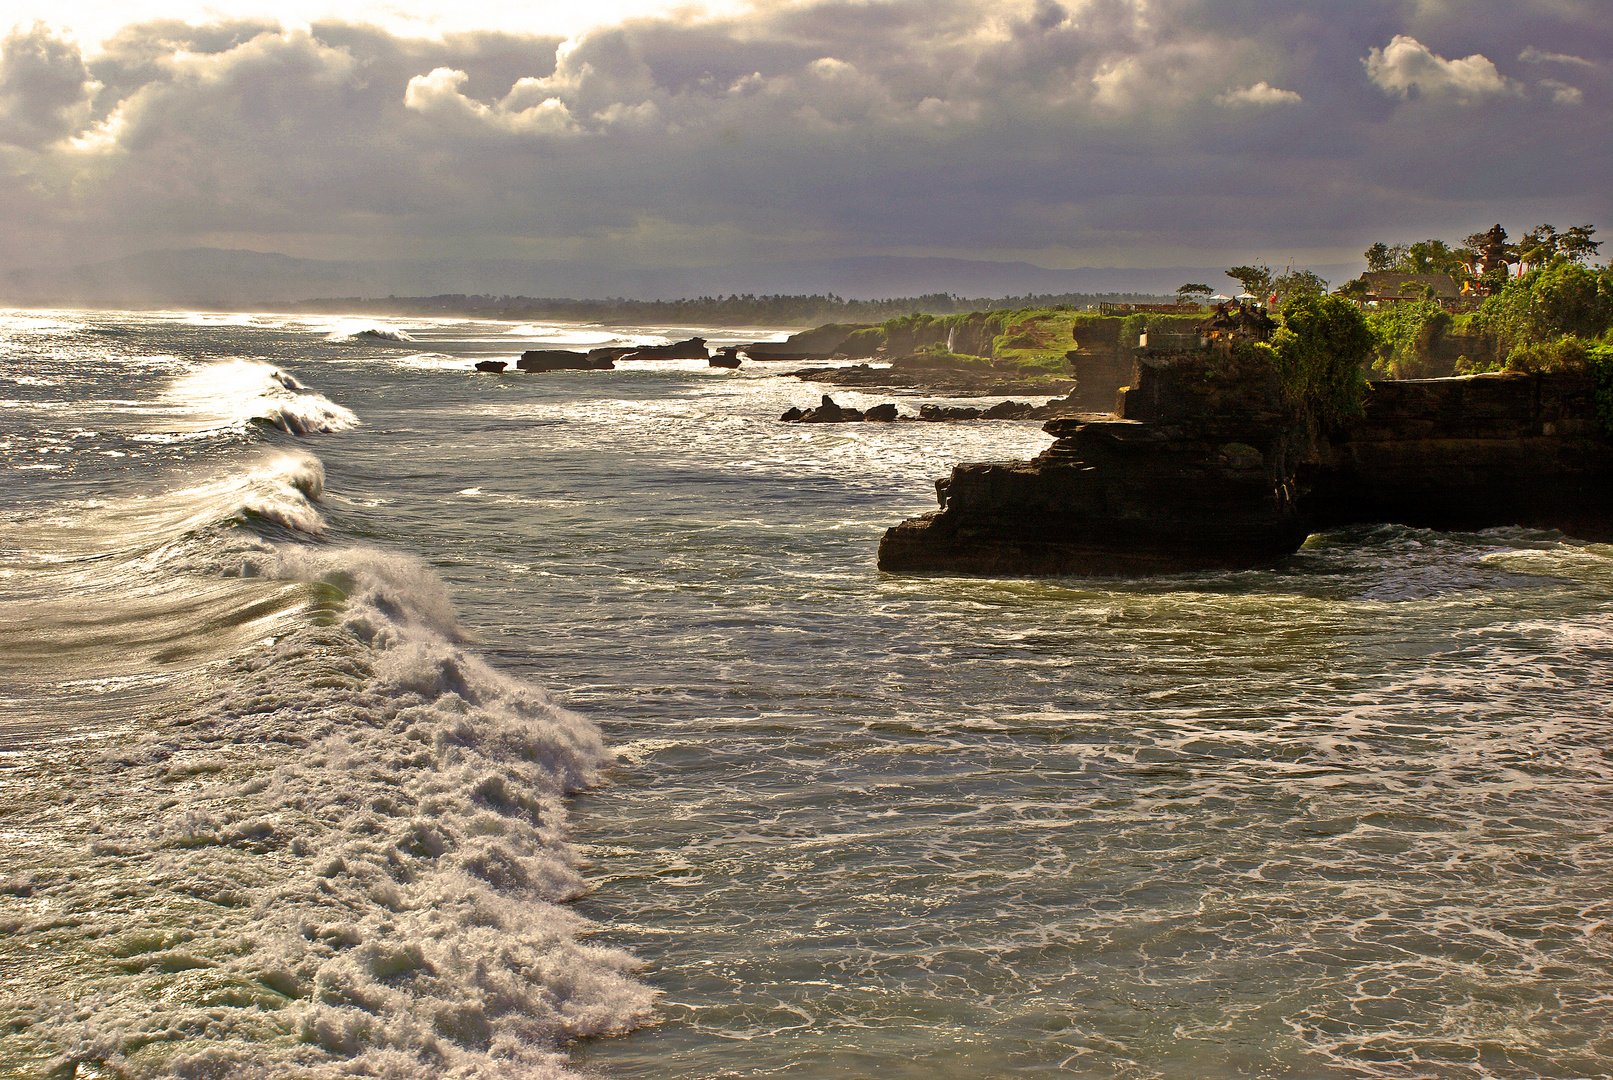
{"x":1562,"y":93}
{"x":437,"y":97}
{"x":1407,"y":68}
{"x":1260,"y":94}
{"x":1532,"y":55}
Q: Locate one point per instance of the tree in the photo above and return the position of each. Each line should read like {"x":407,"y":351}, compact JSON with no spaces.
{"x":1543,"y":245}
{"x":1191,"y":293}
{"x":1256,"y":280}
{"x":1566,"y":299}
{"x":1538,"y":246}
{"x":1320,"y":351}
{"x":1354,"y":290}
{"x":1570,"y":300}
{"x":1576,"y":244}
{"x":1381,"y":258}
{"x":1298,"y":283}
{"x":1435,"y":257}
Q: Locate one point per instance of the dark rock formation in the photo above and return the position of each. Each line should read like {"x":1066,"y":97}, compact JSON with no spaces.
{"x":561,"y":360}
{"x":937,"y":413}
{"x":607,"y":356}
{"x":818,"y":343}
{"x":494,"y":366}
{"x":1210,"y":471}
{"x":826,"y":413}
{"x":1005,"y":410}
{"x":689,"y":349}
{"x":727,"y":357}
{"x":950,"y":382}
{"x":1471,"y":453}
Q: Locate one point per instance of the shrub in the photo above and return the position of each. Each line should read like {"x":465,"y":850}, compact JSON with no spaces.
{"x":1562,"y":300}
{"x":1537,"y":357}
{"x":1599,"y":361}
{"x":1320,"y":351}
{"x":1568,"y":299}
{"x":1405,"y":335}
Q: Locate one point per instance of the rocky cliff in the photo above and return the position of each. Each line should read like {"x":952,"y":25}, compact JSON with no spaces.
{"x":1206,"y":469}
{"x":1470,"y":453}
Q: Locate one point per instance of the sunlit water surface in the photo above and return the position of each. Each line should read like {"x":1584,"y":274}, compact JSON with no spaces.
{"x":285,"y":791}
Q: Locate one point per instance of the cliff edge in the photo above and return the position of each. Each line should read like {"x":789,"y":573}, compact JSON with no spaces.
{"x":1203,"y":468}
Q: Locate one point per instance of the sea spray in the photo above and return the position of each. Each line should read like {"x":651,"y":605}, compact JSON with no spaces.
{"x":362,"y":332}
{"x":236,"y":392}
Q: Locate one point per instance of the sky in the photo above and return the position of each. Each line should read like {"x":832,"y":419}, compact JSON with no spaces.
{"x":1064,"y":133}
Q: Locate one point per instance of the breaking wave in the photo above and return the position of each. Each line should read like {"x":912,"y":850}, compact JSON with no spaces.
{"x":234,"y":392}
{"x":362,"y":332}
{"x":338,"y":832}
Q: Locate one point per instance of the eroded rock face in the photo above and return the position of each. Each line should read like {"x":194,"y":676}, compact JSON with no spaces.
{"x":1204,"y":480}
{"x":1471,"y":453}
{"x":1204,"y":472}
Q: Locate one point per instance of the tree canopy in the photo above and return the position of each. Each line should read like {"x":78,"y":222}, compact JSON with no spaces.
{"x":1256,"y":280}
{"x":1296,"y":283}
{"x":1321,"y":350}
{"x":1483,"y":257}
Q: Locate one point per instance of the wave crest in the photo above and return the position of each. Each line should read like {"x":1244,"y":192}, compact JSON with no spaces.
{"x":241,"y":391}
{"x":361,"y":332}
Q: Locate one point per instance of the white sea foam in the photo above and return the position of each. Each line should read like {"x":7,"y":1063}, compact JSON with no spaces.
{"x":235,"y":392}
{"x":377,"y":888}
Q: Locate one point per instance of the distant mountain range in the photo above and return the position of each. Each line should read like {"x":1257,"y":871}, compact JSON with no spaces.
{"x":220,"y":277}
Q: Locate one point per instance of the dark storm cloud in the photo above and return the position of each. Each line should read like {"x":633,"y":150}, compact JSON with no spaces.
{"x":1161,"y":132}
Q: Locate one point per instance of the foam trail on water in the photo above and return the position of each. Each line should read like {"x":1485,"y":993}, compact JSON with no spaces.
{"x":236,"y":392}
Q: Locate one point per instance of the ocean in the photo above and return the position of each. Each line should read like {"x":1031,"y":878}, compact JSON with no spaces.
{"x":363,"y":715}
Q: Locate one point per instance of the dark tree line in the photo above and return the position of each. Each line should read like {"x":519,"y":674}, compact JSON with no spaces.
{"x":732,"y":310}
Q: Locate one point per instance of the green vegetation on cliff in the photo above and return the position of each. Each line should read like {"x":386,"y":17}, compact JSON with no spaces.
{"x":1320,"y":351}
{"x":1034,"y":340}
{"x":1407,"y":336}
